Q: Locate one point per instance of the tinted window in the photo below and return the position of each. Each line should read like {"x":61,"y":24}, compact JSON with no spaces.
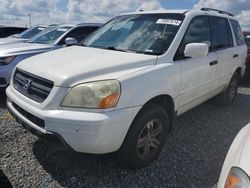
{"x":51,"y":36}
{"x":29,"y":33}
{"x":79,"y":34}
{"x":146,"y":33}
{"x":197,"y":32}
{"x":8,"y":31}
{"x":3,"y":33}
{"x":221,"y":34}
{"x":237,"y":32}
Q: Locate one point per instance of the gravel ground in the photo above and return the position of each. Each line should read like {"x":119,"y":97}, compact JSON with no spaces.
{"x":192,"y":157}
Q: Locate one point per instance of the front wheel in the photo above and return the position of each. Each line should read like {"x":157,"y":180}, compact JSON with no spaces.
{"x":145,"y":138}
{"x":228,"y":96}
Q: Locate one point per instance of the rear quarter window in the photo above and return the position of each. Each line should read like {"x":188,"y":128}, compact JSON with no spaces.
{"x":237,"y":33}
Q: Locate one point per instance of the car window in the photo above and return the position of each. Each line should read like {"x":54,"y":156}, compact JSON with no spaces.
{"x":146,"y":33}
{"x":221,"y":33}
{"x":3,"y":32}
{"x":78,"y":33}
{"x":29,"y":33}
{"x":237,"y":33}
{"x":51,"y":36}
{"x":15,"y":30}
{"x":8,"y":31}
{"x":197,"y":32}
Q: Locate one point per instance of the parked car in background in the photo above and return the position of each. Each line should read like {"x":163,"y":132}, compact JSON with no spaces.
{"x":61,"y":36}
{"x":235,"y":172}
{"x":24,"y":36}
{"x":247,"y":39}
{"x":122,"y":89}
{"x":6,"y":31}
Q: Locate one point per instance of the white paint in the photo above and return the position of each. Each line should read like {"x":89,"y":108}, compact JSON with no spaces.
{"x":142,"y":77}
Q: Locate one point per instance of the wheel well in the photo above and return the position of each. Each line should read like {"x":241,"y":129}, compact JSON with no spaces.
{"x":167,"y":103}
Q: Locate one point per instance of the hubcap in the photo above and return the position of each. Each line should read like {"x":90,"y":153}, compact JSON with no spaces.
{"x":149,"y":139}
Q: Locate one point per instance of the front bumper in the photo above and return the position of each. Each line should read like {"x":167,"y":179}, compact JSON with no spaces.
{"x":5,"y":75}
{"x":87,"y":132}
{"x":52,"y":137}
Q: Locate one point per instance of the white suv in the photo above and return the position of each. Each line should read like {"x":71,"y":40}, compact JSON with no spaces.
{"x":122,"y":89}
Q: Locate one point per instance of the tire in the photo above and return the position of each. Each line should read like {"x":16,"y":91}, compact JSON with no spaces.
{"x":229,"y":95}
{"x":145,"y":138}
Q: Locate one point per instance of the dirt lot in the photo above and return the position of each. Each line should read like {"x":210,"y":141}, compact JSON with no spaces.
{"x":192,"y":157}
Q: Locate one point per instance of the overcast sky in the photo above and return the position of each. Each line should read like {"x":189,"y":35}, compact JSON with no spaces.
{"x":68,"y":11}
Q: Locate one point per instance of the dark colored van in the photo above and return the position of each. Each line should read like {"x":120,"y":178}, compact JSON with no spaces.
{"x":6,"y":31}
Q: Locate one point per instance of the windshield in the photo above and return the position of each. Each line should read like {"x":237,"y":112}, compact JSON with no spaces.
{"x":146,"y":33}
{"x":29,"y":33}
{"x":51,"y":36}
{"x":247,"y":39}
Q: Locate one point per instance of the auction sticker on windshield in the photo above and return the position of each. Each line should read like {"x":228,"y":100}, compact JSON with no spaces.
{"x":62,"y":29}
{"x":169,"y":22}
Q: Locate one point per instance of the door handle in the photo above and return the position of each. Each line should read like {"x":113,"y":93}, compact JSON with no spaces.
{"x":235,"y":55}
{"x":213,"y":63}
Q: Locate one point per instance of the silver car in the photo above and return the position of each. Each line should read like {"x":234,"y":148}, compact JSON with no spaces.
{"x":24,"y":36}
{"x":61,"y":36}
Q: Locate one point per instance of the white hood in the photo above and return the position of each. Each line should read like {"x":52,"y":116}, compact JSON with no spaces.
{"x":72,"y":65}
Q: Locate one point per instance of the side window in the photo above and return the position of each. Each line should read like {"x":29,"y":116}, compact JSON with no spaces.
{"x":13,"y":31}
{"x":79,"y":34}
{"x":7,"y":32}
{"x":197,"y":32}
{"x":221,"y":33}
{"x":237,"y":32}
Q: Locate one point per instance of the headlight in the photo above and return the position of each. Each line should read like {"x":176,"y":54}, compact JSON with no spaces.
{"x":98,"y":95}
{"x":237,"y":178}
{"x":6,"y":60}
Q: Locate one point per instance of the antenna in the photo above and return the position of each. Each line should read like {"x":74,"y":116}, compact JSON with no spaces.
{"x":29,"y":19}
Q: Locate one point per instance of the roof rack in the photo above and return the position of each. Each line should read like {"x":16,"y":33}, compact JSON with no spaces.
{"x":216,"y":10}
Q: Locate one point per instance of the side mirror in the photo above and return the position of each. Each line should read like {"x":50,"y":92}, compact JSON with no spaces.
{"x":195,"y":50}
{"x":70,"y":41}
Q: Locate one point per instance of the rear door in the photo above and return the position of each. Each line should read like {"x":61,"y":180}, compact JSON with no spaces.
{"x":222,"y":44}
{"x":198,"y":74}
{"x":240,"y":47}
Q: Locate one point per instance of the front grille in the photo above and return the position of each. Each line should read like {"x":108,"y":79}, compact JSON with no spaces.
{"x":3,"y":81}
{"x":33,"y":87}
{"x":37,"y":121}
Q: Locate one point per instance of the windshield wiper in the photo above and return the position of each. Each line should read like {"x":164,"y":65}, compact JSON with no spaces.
{"x":149,"y":53}
{"x":121,"y":50}
{"x":82,"y":44}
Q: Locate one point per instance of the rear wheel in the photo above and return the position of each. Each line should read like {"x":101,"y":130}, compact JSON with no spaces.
{"x":145,"y":138}
{"x":228,"y":96}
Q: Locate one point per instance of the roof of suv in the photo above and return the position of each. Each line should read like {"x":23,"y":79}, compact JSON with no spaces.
{"x":209,"y":11}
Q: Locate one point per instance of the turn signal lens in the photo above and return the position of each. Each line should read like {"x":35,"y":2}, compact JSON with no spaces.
{"x":232,"y":181}
{"x":237,"y":178}
{"x":109,"y":101}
